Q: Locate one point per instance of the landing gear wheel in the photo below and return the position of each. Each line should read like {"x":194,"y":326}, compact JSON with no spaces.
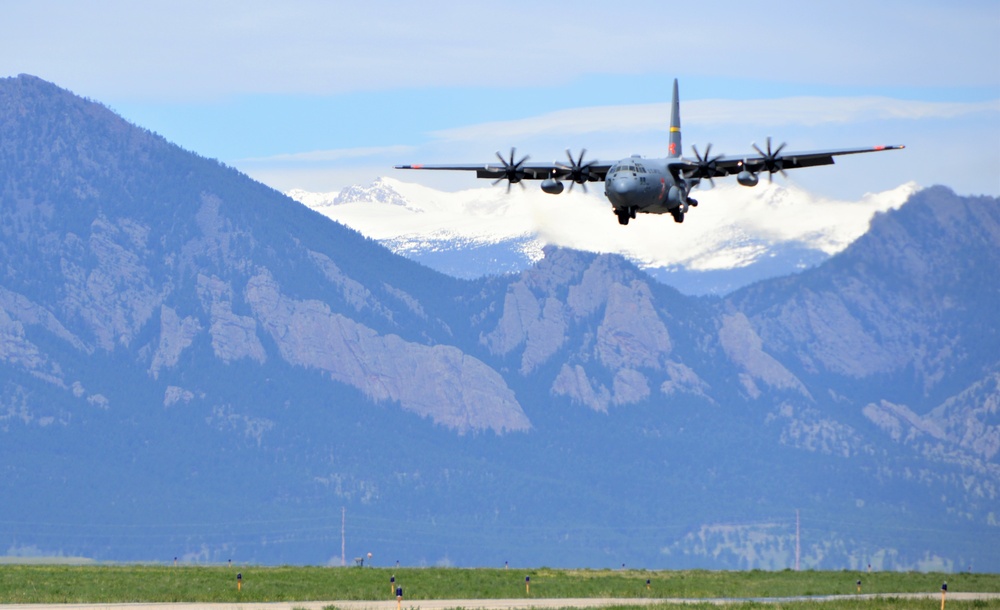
{"x":623,"y":216}
{"x":677,"y":214}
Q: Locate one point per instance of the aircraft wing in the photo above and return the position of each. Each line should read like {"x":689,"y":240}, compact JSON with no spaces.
{"x":769,"y":161}
{"x":596,"y":170}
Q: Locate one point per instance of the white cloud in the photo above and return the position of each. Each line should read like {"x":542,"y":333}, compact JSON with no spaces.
{"x":802,"y":111}
{"x":325,"y":156}
{"x":812,"y":111}
{"x":726,"y":217}
{"x":731,"y":227}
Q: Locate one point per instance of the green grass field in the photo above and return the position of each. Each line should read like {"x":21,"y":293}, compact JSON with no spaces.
{"x":887,"y":603}
{"x":23,"y":584}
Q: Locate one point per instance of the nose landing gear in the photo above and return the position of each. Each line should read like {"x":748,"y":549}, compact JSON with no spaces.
{"x":624,"y":215}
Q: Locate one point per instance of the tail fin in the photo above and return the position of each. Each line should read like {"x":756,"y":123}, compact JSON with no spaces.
{"x":674,"y":147}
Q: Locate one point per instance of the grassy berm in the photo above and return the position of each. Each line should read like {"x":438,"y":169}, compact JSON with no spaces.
{"x":23,"y":584}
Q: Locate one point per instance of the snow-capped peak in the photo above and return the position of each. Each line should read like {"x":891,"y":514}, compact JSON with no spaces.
{"x":733,"y":227}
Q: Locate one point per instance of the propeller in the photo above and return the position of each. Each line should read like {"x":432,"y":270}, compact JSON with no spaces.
{"x":772,"y":162}
{"x":706,"y":166}
{"x":577,"y":171}
{"x":512,"y":171}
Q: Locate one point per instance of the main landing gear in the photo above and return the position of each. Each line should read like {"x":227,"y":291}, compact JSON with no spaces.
{"x":678,"y":212}
{"x":625,"y":215}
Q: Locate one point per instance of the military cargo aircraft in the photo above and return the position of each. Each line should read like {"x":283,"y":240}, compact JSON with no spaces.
{"x":638,"y":185}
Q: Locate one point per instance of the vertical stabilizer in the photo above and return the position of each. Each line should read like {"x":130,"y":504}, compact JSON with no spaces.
{"x":674,"y":148}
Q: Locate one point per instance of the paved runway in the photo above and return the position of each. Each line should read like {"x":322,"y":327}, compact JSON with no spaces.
{"x":484,"y":604}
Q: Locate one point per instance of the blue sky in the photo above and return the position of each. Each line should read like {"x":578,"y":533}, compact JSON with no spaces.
{"x":320,"y":95}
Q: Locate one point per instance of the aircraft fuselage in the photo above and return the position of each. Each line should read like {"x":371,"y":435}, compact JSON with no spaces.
{"x":636,"y":185}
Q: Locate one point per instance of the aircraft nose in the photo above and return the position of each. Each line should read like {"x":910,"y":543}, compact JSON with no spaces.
{"x":622,"y":191}
{"x":622,"y":186}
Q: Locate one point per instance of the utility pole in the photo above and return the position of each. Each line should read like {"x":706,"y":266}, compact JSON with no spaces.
{"x":343,"y":538}
{"x":798,"y":547}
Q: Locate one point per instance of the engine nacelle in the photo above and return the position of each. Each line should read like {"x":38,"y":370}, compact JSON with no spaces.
{"x":676,"y":196}
{"x":747,"y":178}
{"x":552,"y":186}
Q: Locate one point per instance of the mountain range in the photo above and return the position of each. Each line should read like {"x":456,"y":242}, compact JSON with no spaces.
{"x":194,"y":365}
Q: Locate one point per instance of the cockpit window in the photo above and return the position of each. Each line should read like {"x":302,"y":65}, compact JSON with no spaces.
{"x":628,"y":168}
